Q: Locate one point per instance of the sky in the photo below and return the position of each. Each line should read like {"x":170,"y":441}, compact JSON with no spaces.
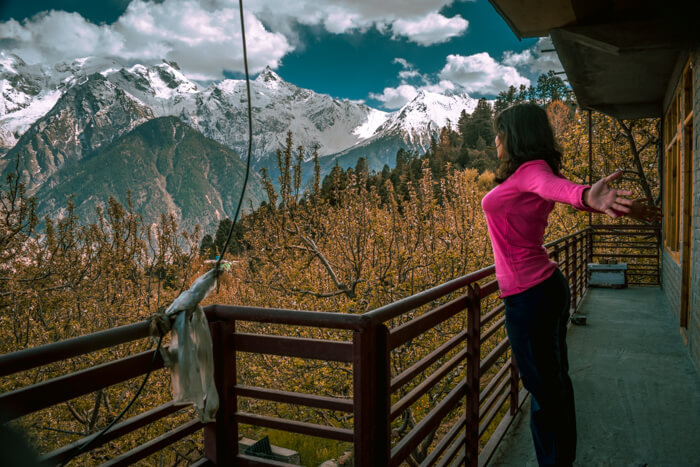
{"x":381,"y":52}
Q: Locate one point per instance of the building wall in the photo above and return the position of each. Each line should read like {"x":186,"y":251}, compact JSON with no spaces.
{"x":671,"y":283}
{"x":671,"y":271}
{"x":694,"y":315}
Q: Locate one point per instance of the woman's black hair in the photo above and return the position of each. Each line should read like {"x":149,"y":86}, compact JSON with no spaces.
{"x":525,"y":131}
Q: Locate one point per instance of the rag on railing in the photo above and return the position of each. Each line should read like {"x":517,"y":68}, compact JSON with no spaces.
{"x":190,"y":353}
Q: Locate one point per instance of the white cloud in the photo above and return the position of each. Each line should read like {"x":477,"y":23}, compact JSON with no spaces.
{"x":340,"y":21}
{"x":431,"y":29}
{"x":204,"y":39}
{"x":394,"y":98}
{"x":203,"y":36}
{"x":408,"y":71}
{"x":57,"y":36}
{"x":408,"y":74}
{"x":416,"y":20}
{"x":534,"y":59}
{"x":481,"y":74}
{"x":397,"y":97}
{"x":523,"y":58}
{"x":440,"y":87}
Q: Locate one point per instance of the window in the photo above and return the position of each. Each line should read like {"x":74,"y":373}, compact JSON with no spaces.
{"x":678,"y":125}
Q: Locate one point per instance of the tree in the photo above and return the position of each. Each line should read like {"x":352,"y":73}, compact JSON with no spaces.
{"x":550,"y":87}
{"x":505,"y":99}
{"x":220,"y":236}
{"x":297,"y":171}
{"x":284,"y":164}
{"x":317,"y":174}
{"x":74,"y":279}
{"x":333,"y":184}
{"x":207,"y":247}
{"x":18,"y":218}
{"x":480,"y":124}
{"x":362,"y":170}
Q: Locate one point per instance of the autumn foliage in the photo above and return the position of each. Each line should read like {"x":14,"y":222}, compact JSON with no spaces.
{"x":349,"y":243}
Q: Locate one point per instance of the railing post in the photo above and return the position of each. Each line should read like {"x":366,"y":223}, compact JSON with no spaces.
{"x":473,"y":375}
{"x":589,"y":251}
{"x":221,"y":437}
{"x":582,"y":265}
{"x":574,"y":273}
{"x":371,"y":377}
{"x":658,"y":255}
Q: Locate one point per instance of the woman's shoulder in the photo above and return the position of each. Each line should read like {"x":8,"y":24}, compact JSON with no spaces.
{"x":535,"y":165}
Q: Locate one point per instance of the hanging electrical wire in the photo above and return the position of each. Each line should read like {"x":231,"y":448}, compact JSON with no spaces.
{"x":202,"y":285}
{"x":83,"y":447}
{"x":250,"y":139}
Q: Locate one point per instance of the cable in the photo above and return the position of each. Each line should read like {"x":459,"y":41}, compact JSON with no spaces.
{"x":83,"y":447}
{"x":250,"y":139}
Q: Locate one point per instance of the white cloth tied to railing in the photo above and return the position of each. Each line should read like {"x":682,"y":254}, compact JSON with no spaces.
{"x":190,"y":354}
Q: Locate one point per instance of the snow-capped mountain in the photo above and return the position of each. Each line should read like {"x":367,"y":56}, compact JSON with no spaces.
{"x":410,"y":127}
{"x":278,"y":107}
{"x":28,"y":92}
{"x":80,"y":128}
{"x":426,"y":115}
{"x":86,"y":117}
{"x":162,"y":87}
{"x":87,"y":100}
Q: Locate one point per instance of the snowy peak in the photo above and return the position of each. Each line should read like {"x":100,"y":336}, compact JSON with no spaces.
{"x":375,"y":119}
{"x":219,"y":112}
{"x":10,"y":63}
{"x":269,"y":77}
{"x":438,"y":109}
{"x":424,"y":116}
{"x":65,"y":75}
{"x":164,"y":80}
{"x":433,"y":109}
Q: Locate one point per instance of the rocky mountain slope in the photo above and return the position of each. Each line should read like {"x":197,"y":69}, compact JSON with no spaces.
{"x":165,"y":167}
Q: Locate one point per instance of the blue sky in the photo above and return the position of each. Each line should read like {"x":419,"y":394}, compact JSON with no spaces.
{"x":380,"y":52}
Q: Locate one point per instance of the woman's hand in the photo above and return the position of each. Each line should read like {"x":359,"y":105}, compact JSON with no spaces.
{"x":611,"y":201}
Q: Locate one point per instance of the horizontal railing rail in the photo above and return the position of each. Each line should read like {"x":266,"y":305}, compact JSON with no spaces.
{"x":638,"y":246}
{"x":431,"y":374}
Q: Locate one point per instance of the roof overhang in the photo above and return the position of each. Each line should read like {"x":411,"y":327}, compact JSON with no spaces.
{"x":619,"y":55}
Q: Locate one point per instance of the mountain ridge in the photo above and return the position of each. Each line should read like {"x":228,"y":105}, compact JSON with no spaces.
{"x":57,"y":118}
{"x":219,"y":111}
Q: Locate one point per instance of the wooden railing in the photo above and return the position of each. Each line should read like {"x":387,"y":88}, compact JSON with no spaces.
{"x":638,"y":246}
{"x":441,"y":354}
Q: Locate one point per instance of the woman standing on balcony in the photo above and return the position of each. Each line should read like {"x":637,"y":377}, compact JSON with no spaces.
{"x":536,"y":294}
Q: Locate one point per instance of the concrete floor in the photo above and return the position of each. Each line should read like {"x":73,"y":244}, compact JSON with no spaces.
{"x":637,"y":392}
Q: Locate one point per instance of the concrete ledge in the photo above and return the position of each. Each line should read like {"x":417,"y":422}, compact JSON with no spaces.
{"x":278,"y":453}
{"x":608,"y":275}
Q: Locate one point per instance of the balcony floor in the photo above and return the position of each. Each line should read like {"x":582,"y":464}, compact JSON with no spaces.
{"x":637,"y":391}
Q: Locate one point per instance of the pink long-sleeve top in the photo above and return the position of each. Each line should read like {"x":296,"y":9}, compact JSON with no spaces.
{"x":516,"y":214}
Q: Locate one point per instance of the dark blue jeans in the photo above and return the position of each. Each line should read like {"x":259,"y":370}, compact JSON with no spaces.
{"x":536,"y":323}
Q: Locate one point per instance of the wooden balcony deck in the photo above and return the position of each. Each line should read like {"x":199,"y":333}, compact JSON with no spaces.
{"x":637,"y":391}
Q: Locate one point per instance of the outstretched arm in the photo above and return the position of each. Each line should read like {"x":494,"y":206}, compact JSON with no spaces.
{"x":602,"y":197}
{"x":538,"y":178}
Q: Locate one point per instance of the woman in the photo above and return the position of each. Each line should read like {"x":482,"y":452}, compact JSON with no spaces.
{"x":535,"y":292}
